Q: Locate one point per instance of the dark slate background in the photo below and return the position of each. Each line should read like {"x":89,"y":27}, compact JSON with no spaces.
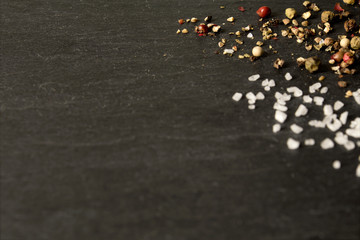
{"x":114,"y":127}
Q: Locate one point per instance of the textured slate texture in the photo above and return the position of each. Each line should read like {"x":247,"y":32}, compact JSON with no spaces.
{"x":114,"y":127}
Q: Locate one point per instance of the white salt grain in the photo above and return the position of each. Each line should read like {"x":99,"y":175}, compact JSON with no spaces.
{"x":301,"y":111}
{"x":250,"y":96}
{"x":334,"y":125}
{"x":358,"y":170}
{"x":309,"y":142}
{"x":260,"y":96}
{"x":251,"y":101}
{"x":250,"y":35}
{"x":280,"y":107}
{"x":313,"y":88}
{"x":228,"y":51}
{"x":307,"y":99}
{"x":327,"y":143}
{"x":356,"y":95}
{"x":267,"y":88}
{"x":336,"y":164}
{"x":254,"y":77}
{"x":338,"y":105}
{"x":296,"y":128}
{"x":328,"y":110}
{"x":276,"y":127}
{"x":343,"y":117}
{"x":355,"y":133}
{"x":288,"y":76}
{"x":340,"y":138}
{"x":349,"y":145}
{"x":324,"y":90}
{"x":237,"y":96}
{"x":280,"y":116}
{"x":251,"y":106}
{"x":318,"y":100}
{"x":271,"y":83}
{"x":292,"y":144}
{"x":265,"y":82}
{"x":295,"y":91}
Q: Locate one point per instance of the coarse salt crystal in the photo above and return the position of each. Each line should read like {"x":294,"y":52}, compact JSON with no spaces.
{"x":280,"y":107}
{"x":271,"y":83}
{"x":237,"y":96}
{"x":280,"y":116}
{"x":343,"y":117}
{"x":349,"y":145}
{"x":318,"y":100}
{"x":336,"y":164}
{"x":254,"y":77}
{"x":260,"y":96}
{"x":328,"y":110}
{"x":358,"y":170}
{"x":327,"y":143}
{"x":267,"y":88}
{"x":341,"y":138}
{"x":250,"y":35}
{"x":276,"y":127}
{"x":295,"y":90}
{"x":250,"y":95}
{"x":355,"y":133}
{"x":251,"y":101}
{"x":251,"y":106}
{"x":307,"y":99}
{"x":309,"y":142}
{"x":356,"y":96}
{"x":296,"y":128}
{"x":313,"y":88}
{"x":292,"y":144}
{"x":288,"y":76}
{"x":265,"y":82}
{"x":324,"y":90}
{"x":334,"y":125}
{"x":338,"y":105}
{"x":228,"y":51}
{"x":301,"y":111}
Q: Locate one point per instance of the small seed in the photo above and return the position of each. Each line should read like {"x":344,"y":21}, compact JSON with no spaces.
{"x":342,"y":84}
{"x":193,"y":20}
{"x":230,"y":19}
{"x":259,"y":43}
{"x":290,"y":13}
{"x":184,"y":31}
{"x":321,"y":78}
{"x":221,"y":44}
{"x":178,"y":31}
{"x":286,"y":21}
{"x":306,"y":15}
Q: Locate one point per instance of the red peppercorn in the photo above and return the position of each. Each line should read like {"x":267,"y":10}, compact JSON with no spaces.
{"x":181,"y":21}
{"x":264,"y":11}
{"x":202,"y":29}
{"x":348,"y":58}
{"x":338,"y":7}
{"x":242,"y":9}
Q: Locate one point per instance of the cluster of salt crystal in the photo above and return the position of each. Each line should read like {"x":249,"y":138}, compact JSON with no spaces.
{"x":288,"y":76}
{"x":268,"y":84}
{"x":342,"y":139}
{"x":252,"y":98}
{"x":253,"y":78}
{"x":354,"y":129}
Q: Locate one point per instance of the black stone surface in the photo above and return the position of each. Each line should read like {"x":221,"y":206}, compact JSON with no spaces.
{"x":114,"y":127}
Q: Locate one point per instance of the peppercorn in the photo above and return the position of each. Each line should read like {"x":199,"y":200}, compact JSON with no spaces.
{"x":350,"y":25}
{"x":290,"y":13}
{"x":348,"y":58}
{"x":344,"y":42}
{"x":342,"y":84}
{"x":338,"y":7}
{"x":327,"y":16}
{"x":257,"y":51}
{"x":264,"y":11}
{"x":355,"y":42}
{"x":338,"y":56}
{"x":312,"y":64}
{"x":202,"y":29}
{"x":181,"y":21}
